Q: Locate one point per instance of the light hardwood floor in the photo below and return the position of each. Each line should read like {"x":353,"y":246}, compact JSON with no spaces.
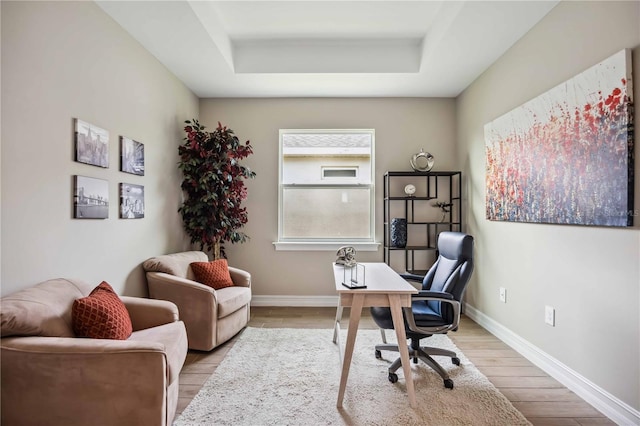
{"x":542,"y":399}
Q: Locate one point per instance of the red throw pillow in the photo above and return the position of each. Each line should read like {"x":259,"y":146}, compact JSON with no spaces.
{"x":214,"y":274}
{"x":101,"y":315}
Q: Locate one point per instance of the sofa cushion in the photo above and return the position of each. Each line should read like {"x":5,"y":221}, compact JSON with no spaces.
{"x":214,"y":274}
{"x":174,"y":338}
{"x":42,"y":310}
{"x":231,"y":299}
{"x":101,"y":315}
{"x":175,"y":264}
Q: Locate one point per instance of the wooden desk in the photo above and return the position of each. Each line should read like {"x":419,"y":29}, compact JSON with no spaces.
{"x":384,"y":288}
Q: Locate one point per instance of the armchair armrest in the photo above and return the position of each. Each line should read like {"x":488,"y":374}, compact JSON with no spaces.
{"x":66,"y":381}
{"x":147,"y":313}
{"x":77,"y":345}
{"x":197,"y":305}
{"x":240,"y":277}
{"x":191,"y":297}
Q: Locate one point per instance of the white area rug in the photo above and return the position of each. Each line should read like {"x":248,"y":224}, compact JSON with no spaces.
{"x":291,"y":377}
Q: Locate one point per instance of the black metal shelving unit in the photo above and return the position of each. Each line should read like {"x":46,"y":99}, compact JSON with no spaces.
{"x":423,"y":224}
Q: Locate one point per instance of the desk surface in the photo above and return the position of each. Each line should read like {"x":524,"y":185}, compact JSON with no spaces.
{"x":379,"y":278}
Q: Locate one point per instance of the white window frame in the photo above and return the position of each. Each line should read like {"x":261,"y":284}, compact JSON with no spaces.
{"x":328,"y":244}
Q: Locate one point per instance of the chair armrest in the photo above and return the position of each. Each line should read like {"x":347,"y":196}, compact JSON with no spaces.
{"x":412,"y":277}
{"x":67,"y":381}
{"x":191,"y":297}
{"x":147,"y":313}
{"x":78,"y":345}
{"x":240,"y":277}
{"x":432,"y":295}
{"x":171,"y":286}
{"x":197,"y":306}
{"x":439,"y":297}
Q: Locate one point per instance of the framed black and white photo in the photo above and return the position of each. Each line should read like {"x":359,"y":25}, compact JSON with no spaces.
{"x":92,"y":144}
{"x":131,"y":156}
{"x":131,"y":201}
{"x":91,"y":198}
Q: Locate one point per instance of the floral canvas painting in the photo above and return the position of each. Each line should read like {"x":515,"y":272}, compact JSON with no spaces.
{"x":566,"y":157}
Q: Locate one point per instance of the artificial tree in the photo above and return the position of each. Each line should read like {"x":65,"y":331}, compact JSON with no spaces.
{"x":213,"y":182}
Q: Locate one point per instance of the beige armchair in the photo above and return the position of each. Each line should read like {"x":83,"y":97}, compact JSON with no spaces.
{"x":51,"y":377}
{"x":211,"y":316}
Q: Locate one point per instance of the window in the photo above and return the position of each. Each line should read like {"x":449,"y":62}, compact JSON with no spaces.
{"x":326,"y":194}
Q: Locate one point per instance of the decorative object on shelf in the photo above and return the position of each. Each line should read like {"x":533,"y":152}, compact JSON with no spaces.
{"x":92,"y":144}
{"x":213,"y":183}
{"x":90,"y":198}
{"x":346,"y":256}
{"x":410,"y":189}
{"x":131,"y":201}
{"x":131,"y":156}
{"x":399,"y":232}
{"x":566,"y":157}
{"x":444,"y":207}
{"x":422,"y":161}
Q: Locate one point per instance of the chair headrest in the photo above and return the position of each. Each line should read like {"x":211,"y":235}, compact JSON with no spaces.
{"x":455,"y":245}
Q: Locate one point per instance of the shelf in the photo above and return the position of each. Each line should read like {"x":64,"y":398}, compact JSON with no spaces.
{"x":409,"y":198}
{"x":410,"y":248}
{"x":432,"y":173}
{"x":422,"y":234}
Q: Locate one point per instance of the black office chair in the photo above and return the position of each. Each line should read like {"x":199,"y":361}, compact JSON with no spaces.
{"x":436,"y":308}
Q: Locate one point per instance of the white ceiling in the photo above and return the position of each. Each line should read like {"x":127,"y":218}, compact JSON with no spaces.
{"x":327,"y":48}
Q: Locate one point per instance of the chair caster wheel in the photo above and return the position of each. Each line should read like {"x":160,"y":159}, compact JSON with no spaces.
{"x":378,"y":354}
{"x":448,"y":384}
{"x":455,"y":360}
{"x":393,"y":377}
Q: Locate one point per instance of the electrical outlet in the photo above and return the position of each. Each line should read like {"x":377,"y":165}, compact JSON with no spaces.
{"x":503,"y":295}
{"x":550,"y":315}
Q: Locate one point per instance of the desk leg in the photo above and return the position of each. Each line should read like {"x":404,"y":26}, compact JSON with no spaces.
{"x":336,"y":325}
{"x":398,"y":325}
{"x":354,"y":320}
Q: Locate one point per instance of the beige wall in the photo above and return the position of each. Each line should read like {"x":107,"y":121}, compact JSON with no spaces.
{"x":402,"y":126}
{"x":589,"y":274}
{"x":62,"y":60}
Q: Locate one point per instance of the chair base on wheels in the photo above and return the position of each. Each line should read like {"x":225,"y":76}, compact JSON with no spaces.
{"x":423,"y":353}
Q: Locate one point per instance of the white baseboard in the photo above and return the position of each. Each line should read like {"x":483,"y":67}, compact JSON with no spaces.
{"x":612,"y":407}
{"x":295,"y":301}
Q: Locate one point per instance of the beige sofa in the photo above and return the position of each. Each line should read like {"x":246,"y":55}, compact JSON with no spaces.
{"x":51,"y":377}
{"x":211,"y":316}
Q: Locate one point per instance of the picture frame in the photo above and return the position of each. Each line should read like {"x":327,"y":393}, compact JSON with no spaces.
{"x":90,"y":198}
{"x":131,"y":156}
{"x":566,"y":156}
{"x":131,"y":201}
{"x":92,"y":144}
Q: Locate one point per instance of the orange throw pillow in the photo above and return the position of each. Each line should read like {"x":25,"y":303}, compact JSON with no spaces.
{"x":101,"y":315}
{"x":214,"y":274}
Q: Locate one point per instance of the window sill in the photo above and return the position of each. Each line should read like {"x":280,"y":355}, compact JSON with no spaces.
{"x":323,"y":246}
